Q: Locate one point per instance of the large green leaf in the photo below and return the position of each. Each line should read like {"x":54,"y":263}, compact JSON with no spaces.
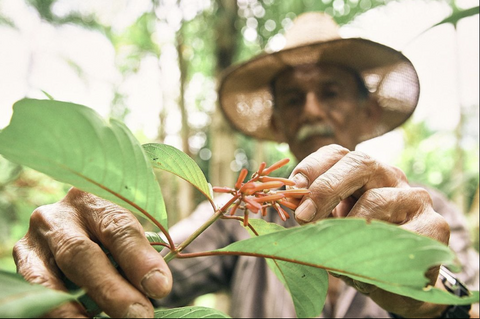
{"x":307,"y":285}
{"x":74,"y":145}
{"x":190,"y":312}
{"x":20,"y":299}
{"x":373,"y":252}
{"x":170,"y":159}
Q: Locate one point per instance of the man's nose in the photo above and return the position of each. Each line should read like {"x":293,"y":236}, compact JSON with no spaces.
{"x":313,"y":106}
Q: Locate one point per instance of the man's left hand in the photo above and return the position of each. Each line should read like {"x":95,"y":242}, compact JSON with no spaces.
{"x":345,"y":183}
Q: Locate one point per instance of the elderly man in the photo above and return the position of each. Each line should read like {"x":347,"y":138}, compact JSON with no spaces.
{"x":322,"y":95}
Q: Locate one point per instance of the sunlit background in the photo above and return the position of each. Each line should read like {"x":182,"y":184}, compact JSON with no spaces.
{"x":153,"y":64}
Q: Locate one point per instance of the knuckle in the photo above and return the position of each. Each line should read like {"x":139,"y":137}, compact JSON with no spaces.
{"x":36,"y":277}
{"x":327,"y":185}
{"x":327,"y":191}
{"x":336,"y":149}
{"x":442,"y":228}
{"x":117,"y":225}
{"x":422,"y":196}
{"x":19,"y":252}
{"x":375,"y":199}
{"x":68,"y":248}
{"x":398,"y":173}
{"x":374,"y":204}
{"x":41,"y":216}
{"x":361,"y":158}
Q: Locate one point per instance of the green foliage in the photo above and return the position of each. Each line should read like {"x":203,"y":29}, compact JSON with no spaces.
{"x":79,"y":148}
{"x":170,"y":159}
{"x":307,"y":285}
{"x":19,"y":299}
{"x":106,"y":161}
{"x":376,"y":252}
{"x":21,"y":191}
{"x":189,"y":312}
{"x":420,"y":161}
{"x":44,"y":9}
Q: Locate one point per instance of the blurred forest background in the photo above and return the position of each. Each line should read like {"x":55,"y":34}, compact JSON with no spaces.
{"x":154,"y":64}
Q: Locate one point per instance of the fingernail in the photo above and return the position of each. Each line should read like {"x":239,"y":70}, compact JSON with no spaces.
{"x":306,"y":211}
{"x":155,"y":284}
{"x":300,"y":180}
{"x":137,"y":310}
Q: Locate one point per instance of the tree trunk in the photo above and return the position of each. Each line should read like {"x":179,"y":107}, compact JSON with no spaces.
{"x":222,"y":135}
{"x":185,"y":197}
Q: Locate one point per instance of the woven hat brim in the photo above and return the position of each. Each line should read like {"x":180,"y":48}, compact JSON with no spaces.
{"x":246,"y":101}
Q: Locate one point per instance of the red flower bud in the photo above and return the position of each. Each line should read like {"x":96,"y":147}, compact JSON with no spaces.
{"x":296,"y":192}
{"x":262,"y":186}
{"x":252,"y":205}
{"x":261,"y":168}
{"x":276,"y":166}
{"x":281,"y":212}
{"x":269,"y":198}
{"x":278,"y":179}
{"x":288,"y":204}
{"x":241,"y":178}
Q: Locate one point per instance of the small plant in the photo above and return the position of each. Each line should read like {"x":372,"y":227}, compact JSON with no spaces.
{"x":72,"y":144}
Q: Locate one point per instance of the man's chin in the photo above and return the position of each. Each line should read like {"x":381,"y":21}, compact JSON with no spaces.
{"x":313,"y":143}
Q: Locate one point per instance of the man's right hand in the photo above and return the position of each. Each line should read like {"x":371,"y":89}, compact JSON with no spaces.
{"x":64,"y":238}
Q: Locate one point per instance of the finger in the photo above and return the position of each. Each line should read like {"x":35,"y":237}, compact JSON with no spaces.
{"x":393,"y":205}
{"x":353,"y":174}
{"x":84,"y":262}
{"x":410,"y":207}
{"x":316,"y":164}
{"x":35,"y":267}
{"x":121,"y":233}
{"x":344,"y":207}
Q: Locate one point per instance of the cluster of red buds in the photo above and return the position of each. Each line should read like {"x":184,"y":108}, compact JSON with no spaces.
{"x":262,"y":191}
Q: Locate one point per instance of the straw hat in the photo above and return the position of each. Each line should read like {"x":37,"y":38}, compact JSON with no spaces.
{"x":244,"y":91}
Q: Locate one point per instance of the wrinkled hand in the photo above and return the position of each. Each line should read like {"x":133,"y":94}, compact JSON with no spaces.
{"x":64,"y":238}
{"x":351,"y":184}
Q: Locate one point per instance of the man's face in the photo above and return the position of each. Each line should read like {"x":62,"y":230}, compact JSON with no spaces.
{"x":319,"y":105}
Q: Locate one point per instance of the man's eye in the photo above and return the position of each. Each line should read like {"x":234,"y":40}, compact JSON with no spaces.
{"x":329,"y":94}
{"x":330,"y":91}
{"x":294,"y":101}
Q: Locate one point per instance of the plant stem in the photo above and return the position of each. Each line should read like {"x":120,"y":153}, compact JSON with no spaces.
{"x":218,"y":214}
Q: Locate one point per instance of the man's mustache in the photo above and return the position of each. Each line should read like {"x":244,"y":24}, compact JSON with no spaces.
{"x":314,"y":129}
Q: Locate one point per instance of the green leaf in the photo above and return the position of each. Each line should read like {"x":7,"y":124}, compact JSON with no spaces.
{"x":190,"y":312}
{"x":20,"y":299}
{"x":373,"y":252}
{"x":155,"y":238}
{"x":170,"y":159}
{"x":48,"y":95}
{"x":307,"y":285}
{"x":435,"y":295}
{"x":454,"y":18}
{"x":74,"y":145}
{"x":458,"y":15}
